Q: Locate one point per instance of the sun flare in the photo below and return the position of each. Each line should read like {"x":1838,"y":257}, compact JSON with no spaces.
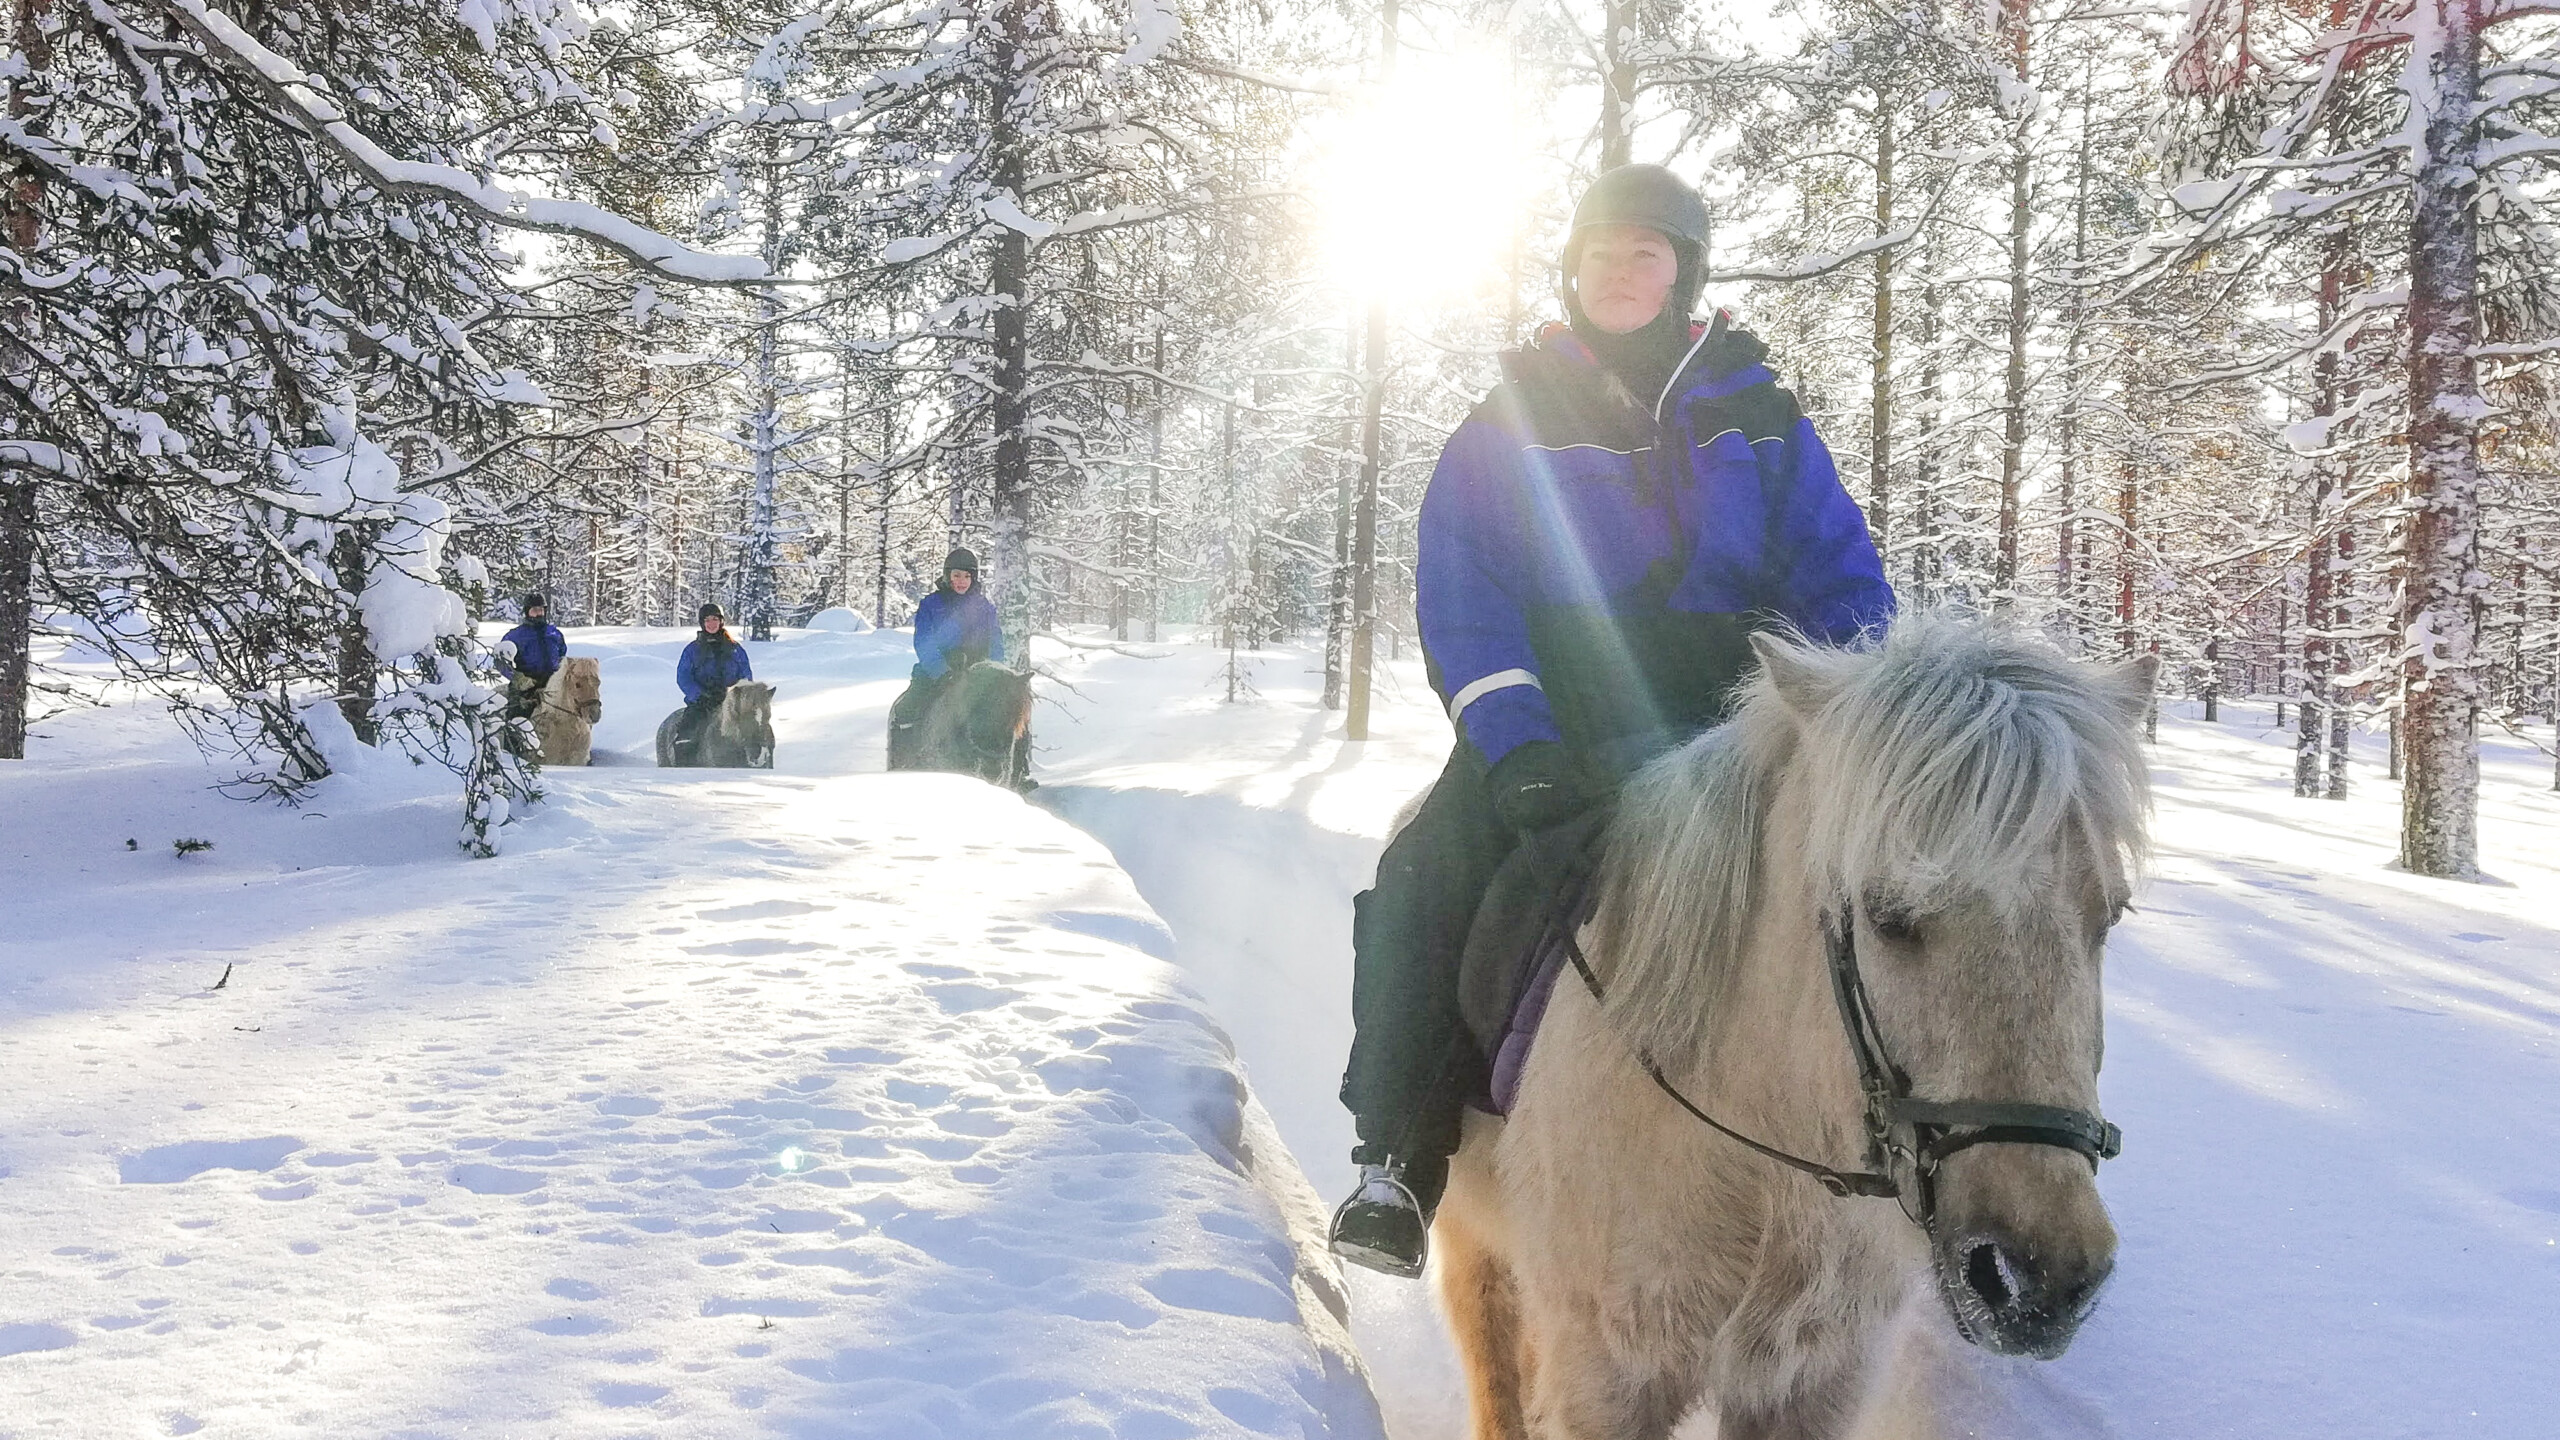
{"x":1424,"y":181}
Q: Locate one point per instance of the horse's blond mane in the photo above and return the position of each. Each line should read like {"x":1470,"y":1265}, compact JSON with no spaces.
{"x":1952,"y":756}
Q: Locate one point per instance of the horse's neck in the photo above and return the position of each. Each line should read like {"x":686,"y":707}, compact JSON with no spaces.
{"x":1777,"y":1044}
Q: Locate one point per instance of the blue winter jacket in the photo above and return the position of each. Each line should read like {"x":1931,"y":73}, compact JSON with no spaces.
{"x":950,"y":625}
{"x":540,"y":647}
{"x":708,"y":669}
{"x":1590,"y":570}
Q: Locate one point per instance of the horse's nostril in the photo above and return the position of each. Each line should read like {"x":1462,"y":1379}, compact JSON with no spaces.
{"x":1987,"y":1273}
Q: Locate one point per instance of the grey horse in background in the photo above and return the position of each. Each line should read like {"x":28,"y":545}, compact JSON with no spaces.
{"x":739,"y":734}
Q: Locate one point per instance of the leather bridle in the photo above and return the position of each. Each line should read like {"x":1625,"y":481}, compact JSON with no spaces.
{"x":1901,"y":1132}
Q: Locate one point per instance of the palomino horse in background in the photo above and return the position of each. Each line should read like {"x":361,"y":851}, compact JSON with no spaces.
{"x":1859,"y":926}
{"x":738,"y":735}
{"x":564,"y":718}
{"x":974,"y":725}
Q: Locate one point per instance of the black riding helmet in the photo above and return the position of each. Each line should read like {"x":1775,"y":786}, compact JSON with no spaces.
{"x":1658,"y":200}
{"x":961,"y":558}
{"x":533,"y":602}
{"x":709,"y":609}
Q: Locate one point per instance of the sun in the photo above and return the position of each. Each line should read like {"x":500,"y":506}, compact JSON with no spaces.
{"x":1424,"y":180}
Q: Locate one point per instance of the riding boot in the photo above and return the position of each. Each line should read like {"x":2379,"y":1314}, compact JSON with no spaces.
{"x":1386,"y":1224}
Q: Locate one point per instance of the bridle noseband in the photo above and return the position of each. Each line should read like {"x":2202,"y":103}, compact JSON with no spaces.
{"x":1937,"y":1128}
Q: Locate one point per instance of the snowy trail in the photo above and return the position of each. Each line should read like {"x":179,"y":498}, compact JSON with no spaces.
{"x":422,"y":1188}
{"x":721,"y":1104}
{"x":2340,"y":1201}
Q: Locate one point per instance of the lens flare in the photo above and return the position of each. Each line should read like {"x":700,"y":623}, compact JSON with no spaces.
{"x":1424,"y":181}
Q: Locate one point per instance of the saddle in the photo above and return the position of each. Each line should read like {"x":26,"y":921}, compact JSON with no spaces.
{"x":1542,"y":893}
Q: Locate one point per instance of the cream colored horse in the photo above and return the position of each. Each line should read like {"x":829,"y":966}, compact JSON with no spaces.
{"x":564,"y":717}
{"x":1975,"y":804}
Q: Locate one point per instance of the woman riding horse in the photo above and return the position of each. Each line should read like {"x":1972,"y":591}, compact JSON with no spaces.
{"x":956,"y":627}
{"x":538,"y":648}
{"x":712,"y":663}
{"x":1599,"y":540}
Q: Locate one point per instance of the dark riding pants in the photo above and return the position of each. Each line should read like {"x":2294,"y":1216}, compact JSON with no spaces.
{"x":697,"y":717}
{"x":1413,"y":1064}
{"x":906,"y":716}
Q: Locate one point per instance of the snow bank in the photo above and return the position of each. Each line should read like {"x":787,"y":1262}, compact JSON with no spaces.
{"x":725,"y":1104}
{"x":839,"y":620}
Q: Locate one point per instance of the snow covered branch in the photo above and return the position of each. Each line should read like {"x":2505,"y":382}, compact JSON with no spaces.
{"x":286,"y":84}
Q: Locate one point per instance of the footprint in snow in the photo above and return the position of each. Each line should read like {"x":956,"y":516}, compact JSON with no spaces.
{"x":970,"y":999}
{"x":25,"y":1339}
{"x":495,"y":1180}
{"x":169,"y":1164}
{"x":762,"y":910}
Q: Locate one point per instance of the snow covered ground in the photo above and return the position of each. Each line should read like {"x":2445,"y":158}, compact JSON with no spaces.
{"x":2340,"y":1196}
{"x":828,"y":1103}
{"x":721,"y":1104}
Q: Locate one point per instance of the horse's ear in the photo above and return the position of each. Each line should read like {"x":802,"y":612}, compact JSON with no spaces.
{"x":1799,"y":682}
{"x":2133,"y":681}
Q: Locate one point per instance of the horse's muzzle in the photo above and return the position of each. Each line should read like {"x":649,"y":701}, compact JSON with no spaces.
{"x":2013,"y":1297}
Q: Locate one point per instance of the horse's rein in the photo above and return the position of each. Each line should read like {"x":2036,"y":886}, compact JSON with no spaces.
{"x":1939,"y":1128}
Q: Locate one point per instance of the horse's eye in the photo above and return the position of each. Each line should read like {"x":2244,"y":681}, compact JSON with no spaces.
{"x":1899,"y":926}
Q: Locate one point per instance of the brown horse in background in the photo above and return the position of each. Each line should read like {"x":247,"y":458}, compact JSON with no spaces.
{"x":975,"y":722}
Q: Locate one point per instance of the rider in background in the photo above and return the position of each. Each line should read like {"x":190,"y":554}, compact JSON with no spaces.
{"x":956,"y":627}
{"x":538,"y":649}
{"x":709,"y":666}
{"x":1599,"y":540}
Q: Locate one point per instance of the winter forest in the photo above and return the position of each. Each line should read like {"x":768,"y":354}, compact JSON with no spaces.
{"x":2219,"y":333}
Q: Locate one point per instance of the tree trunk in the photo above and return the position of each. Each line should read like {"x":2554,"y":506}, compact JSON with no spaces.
{"x":2439,"y":609}
{"x":22,"y":230}
{"x":358,"y":669}
{"x":1009,"y":492}
{"x":1364,"y":533}
{"x":1364,"y":522}
{"x":2013,"y":442}
{"x":2128,"y":514}
{"x":1337,"y":627}
{"x":1880,"y":351}
{"x":2066,"y":578}
{"x":1617,"y":82}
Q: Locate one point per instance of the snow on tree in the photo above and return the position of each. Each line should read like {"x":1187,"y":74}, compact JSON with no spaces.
{"x":2423,"y":121}
{"x":257,"y":314}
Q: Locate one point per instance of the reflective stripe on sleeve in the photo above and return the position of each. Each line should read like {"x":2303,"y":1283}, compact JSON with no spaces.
{"x":1498,"y":680}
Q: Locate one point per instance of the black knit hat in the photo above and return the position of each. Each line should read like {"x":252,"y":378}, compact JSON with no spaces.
{"x":533,"y":602}
{"x":961,"y":558}
{"x":709,"y":609}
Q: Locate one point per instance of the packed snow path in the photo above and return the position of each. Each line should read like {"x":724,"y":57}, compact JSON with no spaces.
{"x":721,"y":1104}
{"x":2339,"y":1199}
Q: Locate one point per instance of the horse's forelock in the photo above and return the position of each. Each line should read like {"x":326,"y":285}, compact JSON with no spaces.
{"x":1950,"y":756}
{"x":1959,"y":756}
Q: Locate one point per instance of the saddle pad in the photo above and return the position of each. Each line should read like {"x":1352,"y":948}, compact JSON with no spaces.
{"x":1513,"y":955}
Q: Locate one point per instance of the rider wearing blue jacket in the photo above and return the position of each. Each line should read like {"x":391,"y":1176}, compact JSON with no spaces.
{"x":539,"y":649}
{"x":710,"y":664}
{"x":713,"y":662}
{"x":957,"y":622}
{"x":956,"y":627}
{"x":1599,"y":540}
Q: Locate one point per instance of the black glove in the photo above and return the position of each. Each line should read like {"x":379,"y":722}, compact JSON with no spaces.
{"x":1537,"y":786}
